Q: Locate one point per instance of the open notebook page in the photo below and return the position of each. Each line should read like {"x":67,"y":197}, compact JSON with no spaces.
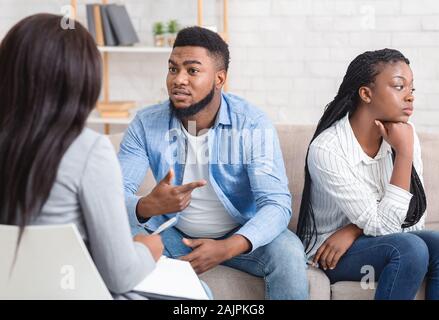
{"x":173,"y":279}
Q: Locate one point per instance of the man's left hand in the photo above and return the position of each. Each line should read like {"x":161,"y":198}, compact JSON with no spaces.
{"x":206,"y":254}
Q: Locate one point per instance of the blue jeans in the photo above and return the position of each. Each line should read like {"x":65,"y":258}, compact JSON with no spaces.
{"x":281,"y":263}
{"x":400,"y":261}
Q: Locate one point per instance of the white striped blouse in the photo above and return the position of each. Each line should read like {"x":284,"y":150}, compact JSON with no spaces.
{"x":348,"y":186}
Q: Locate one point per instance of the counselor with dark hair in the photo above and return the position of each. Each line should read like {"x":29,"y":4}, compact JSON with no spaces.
{"x":52,"y":169}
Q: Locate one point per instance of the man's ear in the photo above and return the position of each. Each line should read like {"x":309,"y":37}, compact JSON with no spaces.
{"x":220,"y":78}
{"x":365,"y":94}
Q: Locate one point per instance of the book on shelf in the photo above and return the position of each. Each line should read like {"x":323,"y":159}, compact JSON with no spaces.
{"x":98,"y":25}
{"x":109,"y":37}
{"x":122,"y":24}
{"x":110,"y":25}
{"x":90,"y":20}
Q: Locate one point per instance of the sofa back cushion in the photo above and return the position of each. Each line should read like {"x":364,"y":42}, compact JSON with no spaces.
{"x":294,"y":140}
{"x":430,"y":159}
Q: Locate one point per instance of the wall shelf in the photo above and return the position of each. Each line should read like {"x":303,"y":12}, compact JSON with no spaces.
{"x":136,"y":49}
{"x":95,"y":118}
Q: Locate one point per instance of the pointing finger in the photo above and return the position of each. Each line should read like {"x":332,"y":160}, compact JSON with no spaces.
{"x":189,"y":187}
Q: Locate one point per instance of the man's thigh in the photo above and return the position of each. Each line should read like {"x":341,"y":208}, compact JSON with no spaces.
{"x":286,"y":250}
{"x":172,"y":241}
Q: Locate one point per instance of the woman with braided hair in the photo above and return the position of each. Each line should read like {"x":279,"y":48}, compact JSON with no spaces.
{"x":363,"y":200}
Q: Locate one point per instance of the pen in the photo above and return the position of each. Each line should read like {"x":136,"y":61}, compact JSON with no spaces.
{"x":166,"y":225}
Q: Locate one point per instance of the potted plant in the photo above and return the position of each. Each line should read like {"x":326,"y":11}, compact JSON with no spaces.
{"x":173,"y":27}
{"x":158,"y":30}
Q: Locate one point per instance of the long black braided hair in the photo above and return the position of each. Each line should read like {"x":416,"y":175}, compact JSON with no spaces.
{"x":361,"y":72}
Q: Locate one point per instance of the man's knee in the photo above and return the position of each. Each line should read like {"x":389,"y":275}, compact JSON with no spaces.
{"x":288,"y":248}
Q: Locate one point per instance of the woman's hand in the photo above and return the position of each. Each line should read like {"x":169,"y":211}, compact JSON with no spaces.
{"x":152,"y":242}
{"x":399,"y":135}
{"x":336,"y":245}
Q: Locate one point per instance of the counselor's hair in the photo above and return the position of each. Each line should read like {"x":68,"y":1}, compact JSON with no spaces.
{"x":50,"y":80}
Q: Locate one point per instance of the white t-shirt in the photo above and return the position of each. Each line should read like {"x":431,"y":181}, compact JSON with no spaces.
{"x":205,"y":217}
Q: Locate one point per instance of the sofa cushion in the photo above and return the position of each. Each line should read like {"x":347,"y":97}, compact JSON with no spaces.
{"x":430,"y":159}
{"x":351,"y":290}
{"x":294,"y":140}
{"x":230,"y":284}
{"x":319,"y":286}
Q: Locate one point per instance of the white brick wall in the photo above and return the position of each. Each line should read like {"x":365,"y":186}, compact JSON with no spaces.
{"x":288,"y":56}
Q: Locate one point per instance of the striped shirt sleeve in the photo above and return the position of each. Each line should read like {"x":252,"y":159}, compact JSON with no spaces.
{"x":337,"y":180}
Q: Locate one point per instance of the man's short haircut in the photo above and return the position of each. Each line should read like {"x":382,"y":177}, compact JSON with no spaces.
{"x":205,"y":38}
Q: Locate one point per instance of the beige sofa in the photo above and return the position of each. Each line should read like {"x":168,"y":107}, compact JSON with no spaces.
{"x":227,"y":283}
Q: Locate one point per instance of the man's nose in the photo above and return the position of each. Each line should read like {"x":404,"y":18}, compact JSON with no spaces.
{"x":180,"y":78}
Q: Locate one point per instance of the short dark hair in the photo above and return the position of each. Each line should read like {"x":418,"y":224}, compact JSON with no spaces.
{"x":205,"y":38}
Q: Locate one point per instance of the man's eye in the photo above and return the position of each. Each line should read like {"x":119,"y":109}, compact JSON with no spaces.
{"x":193,"y":71}
{"x":172,"y":69}
{"x":399,"y":87}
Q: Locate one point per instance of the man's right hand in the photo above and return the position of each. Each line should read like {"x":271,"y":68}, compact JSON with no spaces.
{"x":167,"y":198}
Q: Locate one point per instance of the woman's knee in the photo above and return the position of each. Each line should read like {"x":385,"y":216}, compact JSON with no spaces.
{"x":409,"y":249}
{"x":431,"y":238}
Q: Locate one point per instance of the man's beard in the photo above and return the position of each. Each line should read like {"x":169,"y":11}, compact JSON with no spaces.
{"x":193,"y":109}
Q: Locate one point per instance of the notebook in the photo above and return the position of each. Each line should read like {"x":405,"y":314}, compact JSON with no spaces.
{"x":172,"y":279}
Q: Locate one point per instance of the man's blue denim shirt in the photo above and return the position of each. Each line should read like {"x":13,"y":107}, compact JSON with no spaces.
{"x":246,"y":167}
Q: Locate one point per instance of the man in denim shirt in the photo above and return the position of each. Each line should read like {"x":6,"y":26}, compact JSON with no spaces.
{"x":220,"y":170}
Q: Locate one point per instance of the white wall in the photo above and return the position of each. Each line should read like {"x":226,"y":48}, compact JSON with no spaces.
{"x":288,"y":56}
